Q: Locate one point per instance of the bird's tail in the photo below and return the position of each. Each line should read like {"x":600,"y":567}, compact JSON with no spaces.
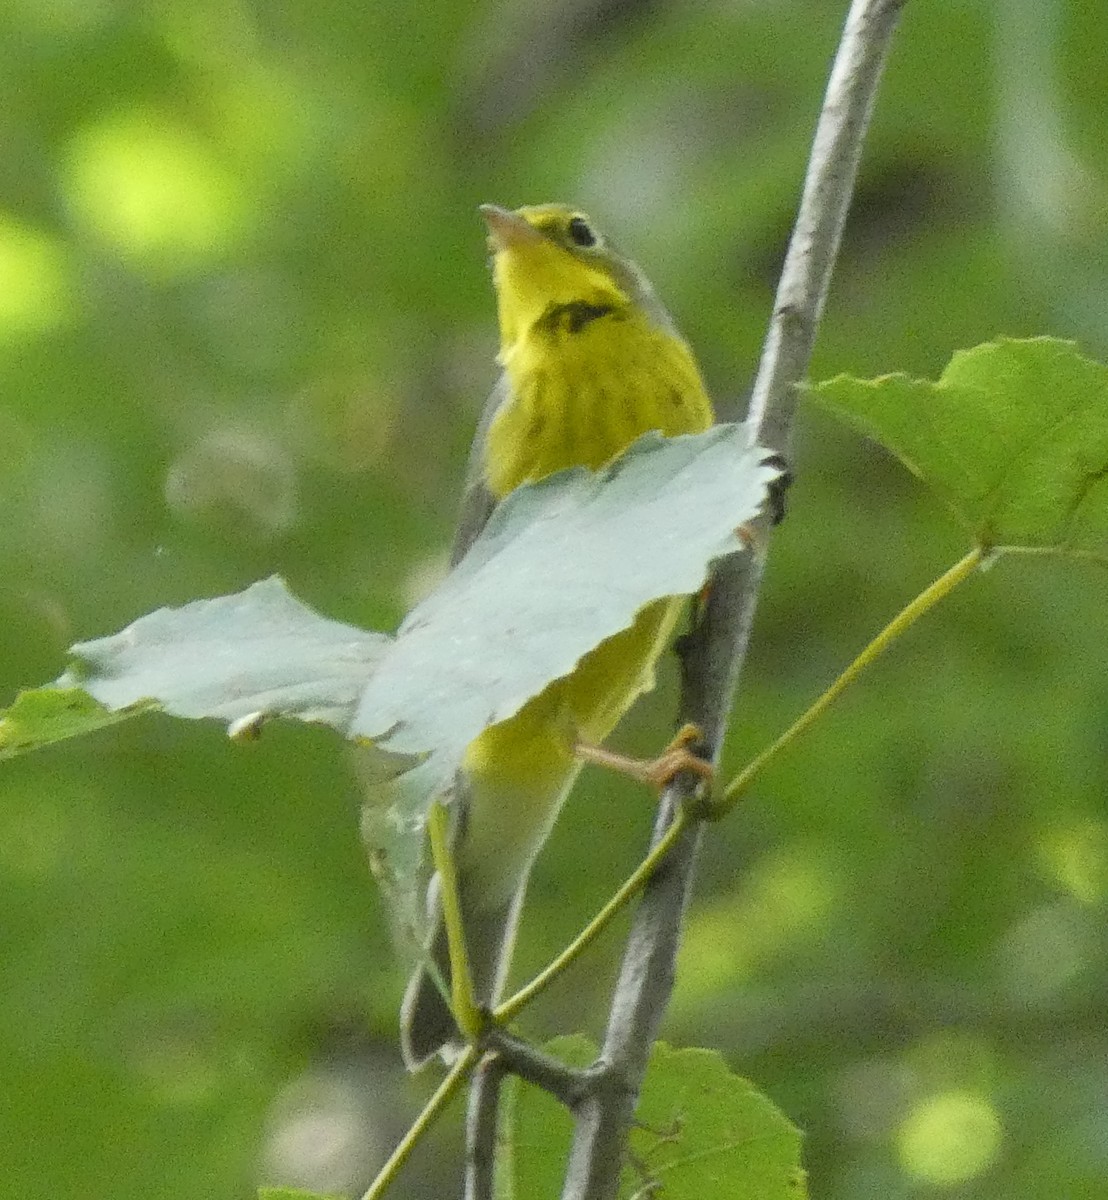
{"x":426,"y":1023}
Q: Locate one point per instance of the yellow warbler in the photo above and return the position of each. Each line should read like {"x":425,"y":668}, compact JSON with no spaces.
{"x":591,"y":361}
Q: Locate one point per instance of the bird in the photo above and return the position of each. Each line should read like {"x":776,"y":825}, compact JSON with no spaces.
{"x":590,"y":361}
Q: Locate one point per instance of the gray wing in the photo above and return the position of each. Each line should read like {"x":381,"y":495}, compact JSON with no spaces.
{"x":426,"y":1024}
{"x":477,"y":501}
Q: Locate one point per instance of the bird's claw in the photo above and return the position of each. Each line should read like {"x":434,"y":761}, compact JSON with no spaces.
{"x":657,"y":773}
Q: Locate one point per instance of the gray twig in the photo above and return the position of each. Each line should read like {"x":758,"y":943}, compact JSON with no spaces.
{"x":508,"y":1054}
{"x":714,"y":652}
{"x":482,"y":1119}
{"x":564,"y":1083}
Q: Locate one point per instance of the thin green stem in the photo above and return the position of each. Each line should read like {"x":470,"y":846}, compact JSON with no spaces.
{"x":630,"y":888}
{"x":463,"y":1000}
{"x":908,"y":616}
{"x":431,"y":1110}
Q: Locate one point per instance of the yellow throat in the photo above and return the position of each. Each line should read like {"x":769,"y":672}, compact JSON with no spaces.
{"x":592,"y":359}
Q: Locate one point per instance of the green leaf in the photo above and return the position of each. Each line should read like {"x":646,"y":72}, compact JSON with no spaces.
{"x":561,"y":565}
{"x":700,"y":1131}
{"x":706,"y":1132}
{"x":257,"y":652}
{"x":241,"y":659}
{"x":52,"y":714}
{"x":1013,"y":437}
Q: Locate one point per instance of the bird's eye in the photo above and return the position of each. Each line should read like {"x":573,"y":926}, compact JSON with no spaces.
{"x":580,"y":232}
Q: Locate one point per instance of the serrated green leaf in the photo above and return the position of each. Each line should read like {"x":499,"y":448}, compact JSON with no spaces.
{"x":561,"y":566}
{"x":1013,"y":437}
{"x":241,"y":659}
{"x":53,"y":714}
{"x":260,"y":651}
{"x":701,"y":1131}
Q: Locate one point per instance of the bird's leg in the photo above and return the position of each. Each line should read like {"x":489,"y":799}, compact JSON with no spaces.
{"x":658,"y":772}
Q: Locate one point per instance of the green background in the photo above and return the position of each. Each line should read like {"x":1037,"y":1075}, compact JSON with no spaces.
{"x":246,"y":327}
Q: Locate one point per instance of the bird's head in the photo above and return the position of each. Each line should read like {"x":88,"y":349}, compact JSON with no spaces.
{"x":550,"y":258}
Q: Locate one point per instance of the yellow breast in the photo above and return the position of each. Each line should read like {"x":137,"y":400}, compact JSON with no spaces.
{"x":583,"y":388}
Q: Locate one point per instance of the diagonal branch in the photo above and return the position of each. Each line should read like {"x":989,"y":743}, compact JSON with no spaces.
{"x":714,"y":651}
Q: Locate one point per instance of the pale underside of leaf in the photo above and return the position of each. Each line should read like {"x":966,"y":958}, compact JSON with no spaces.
{"x":260,"y":651}
{"x":561,"y":566}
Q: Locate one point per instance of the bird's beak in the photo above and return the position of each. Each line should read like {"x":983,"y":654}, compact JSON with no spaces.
{"x":506,"y":228}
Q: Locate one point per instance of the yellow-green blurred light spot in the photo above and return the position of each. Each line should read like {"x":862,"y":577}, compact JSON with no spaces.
{"x":712,"y":956}
{"x":787,"y":900}
{"x":949,"y":1138}
{"x":1077,"y":858}
{"x":35,"y":286}
{"x":155,"y":190}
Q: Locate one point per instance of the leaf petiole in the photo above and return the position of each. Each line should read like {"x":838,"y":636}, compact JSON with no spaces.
{"x":431,"y":1110}
{"x":627,"y":892}
{"x":463,"y":1002}
{"x":721,"y":805}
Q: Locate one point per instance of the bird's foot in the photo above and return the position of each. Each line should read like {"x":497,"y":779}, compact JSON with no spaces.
{"x":656,"y":773}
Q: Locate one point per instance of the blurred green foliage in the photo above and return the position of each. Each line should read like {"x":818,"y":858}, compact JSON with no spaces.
{"x":245,"y":328}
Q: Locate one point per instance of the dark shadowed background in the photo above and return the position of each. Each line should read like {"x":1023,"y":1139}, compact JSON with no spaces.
{"x":246,"y":327}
